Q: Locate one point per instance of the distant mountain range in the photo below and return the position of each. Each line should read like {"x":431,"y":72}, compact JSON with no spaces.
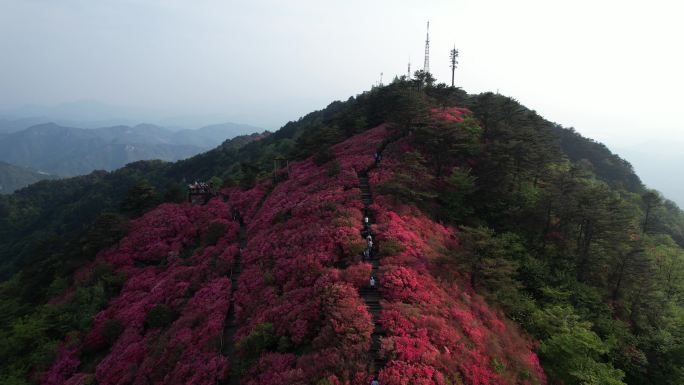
{"x":69,"y":151}
{"x":94,"y":114}
{"x":14,"y":177}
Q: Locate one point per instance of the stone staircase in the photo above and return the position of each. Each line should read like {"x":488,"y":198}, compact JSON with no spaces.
{"x":227,"y":344}
{"x":371,"y":296}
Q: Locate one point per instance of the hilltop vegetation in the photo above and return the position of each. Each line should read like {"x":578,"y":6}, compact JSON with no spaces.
{"x":485,"y":209}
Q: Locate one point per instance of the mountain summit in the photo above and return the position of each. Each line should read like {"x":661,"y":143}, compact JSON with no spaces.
{"x":414,"y":234}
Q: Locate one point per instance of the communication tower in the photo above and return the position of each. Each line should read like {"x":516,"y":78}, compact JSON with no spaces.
{"x":454,"y":62}
{"x":426,"y":64}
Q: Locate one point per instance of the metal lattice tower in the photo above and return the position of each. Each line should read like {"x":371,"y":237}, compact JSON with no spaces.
{"x":426,"y":64}
{"x":409,"y":70}
{"x":454,"y":63}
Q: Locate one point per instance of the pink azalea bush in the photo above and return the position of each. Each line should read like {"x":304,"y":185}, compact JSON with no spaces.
{"x":166,"y":263}
{"x":299,"y":316}
{"x":450,"y":114}
{"x":438,"y":330}
{"x":301,"y":272}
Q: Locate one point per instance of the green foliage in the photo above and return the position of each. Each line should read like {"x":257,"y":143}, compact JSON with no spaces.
{"x":499,"y":367}
{"x":334,"y":168}
{"x":423,"y":79}
{"x":356,"y":247}
{"x":570,"y":351}
{"x":248,"y":175}
{"x":446,"y":96}
{"x":112,"y":330}
{"x":107,"y":229}
{"x":413,"y":184}
{"x":446,"y":144}
{"x":282,"y":216}
{"x":215,"y":231}
{"x":317,"y":140}
{"x":160,"y":316}
{"x":406,"y":109}
{"x":391,"y":247}
{"x":140,"y":198}
{"x":323,"y":156}
{"x":216,"y":182}
{"x":29,"y":336}
{"x":491,"y":261}
{"x":472,"y":127}
{"x":260,"y":339}
{"x":454,"y":195}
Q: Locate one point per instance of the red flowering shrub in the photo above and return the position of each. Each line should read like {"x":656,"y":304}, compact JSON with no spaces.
{"x":358,"y":274}
{"x":403,"y":373}
{"x":309,"y":227}
{"x":167,"y":263}
{"x":297,"y":308}
{"x":246,"y":202}
{"x":450,"y":114}
{"x":437,"y":330}
{"x":64,"y":367}
{"x":276,"y":369}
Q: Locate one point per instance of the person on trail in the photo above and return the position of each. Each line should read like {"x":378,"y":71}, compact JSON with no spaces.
{"x":372,"y":282}
{"x":365,"y":220}
{"x":375,"y":381}
{"x":366,"y":254}
{"x":370,"y":244}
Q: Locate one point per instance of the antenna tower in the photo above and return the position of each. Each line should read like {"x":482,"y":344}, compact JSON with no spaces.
{"x":454,"y":62}
{"x":426,"y":64}
{"x":409,"y":70}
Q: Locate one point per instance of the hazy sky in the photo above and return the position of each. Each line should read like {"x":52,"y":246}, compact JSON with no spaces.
{"x":612,"y":69}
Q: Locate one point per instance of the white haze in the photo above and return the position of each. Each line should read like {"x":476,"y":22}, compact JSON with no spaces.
{"x":611,"y":69}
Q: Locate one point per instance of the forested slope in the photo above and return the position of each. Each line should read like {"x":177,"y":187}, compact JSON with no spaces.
{"x":499,"y":234}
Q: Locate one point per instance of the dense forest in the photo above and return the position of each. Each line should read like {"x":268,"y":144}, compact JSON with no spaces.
{"x":550,"y":227}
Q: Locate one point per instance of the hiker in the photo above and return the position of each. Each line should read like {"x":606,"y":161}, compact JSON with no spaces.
{"x":365,"y":220}
{"x":366,"y":254}
{"x":375,"y":381}
{"x":370,"y":244}
{"x":372,"y":282}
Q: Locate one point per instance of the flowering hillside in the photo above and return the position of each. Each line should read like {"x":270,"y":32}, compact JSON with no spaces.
{"x":438,"y":330}
{"x":165,"y":324}
{"x":299,"y":315}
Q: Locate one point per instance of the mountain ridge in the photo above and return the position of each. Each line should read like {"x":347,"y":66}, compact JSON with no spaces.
{"x":14,"y":177}
{"x":72,"y":151}
{"x":512,"y":251}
